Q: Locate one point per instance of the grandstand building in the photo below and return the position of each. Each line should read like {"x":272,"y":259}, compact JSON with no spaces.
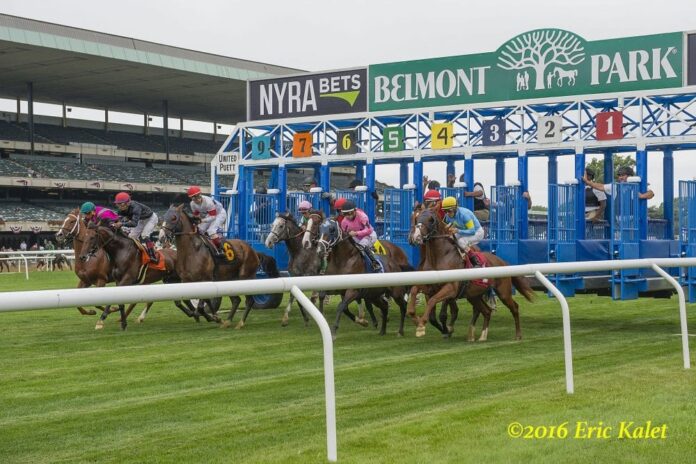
{"x":49,"y":164}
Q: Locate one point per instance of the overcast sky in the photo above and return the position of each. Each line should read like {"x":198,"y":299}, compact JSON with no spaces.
{"x":328,"y":34}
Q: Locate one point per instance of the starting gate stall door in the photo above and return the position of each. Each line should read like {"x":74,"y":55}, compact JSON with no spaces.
{"x":230,"y":201}
{"x":625,"y":240}
{"x":504,"y":219}
{"x":359,"y":197}
{"x":456,"y":192}
{"x":687,"y":233}
{"x":295,"y":198}
{"x":262,"y":212}
{"x":562,"y":236}
{"x":398,"y":207}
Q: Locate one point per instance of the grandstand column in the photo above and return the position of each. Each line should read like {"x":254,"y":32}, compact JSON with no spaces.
{"x":64,"y":120}
{"x":499,"y":170}
{"x":642,"y":172}
{"x":181,"y":128}
{"x":19,"y":110}
{"x":668,"y":192}
{"x":165,"y":128}
{"x":370,"y":203}
{"x":30,"y":114}
{"x":403,"y":174}
{"x":580,"y":197}
{"x":106,"y":119}
{"x":469,"y":179}
{"x":418,"y":178}
{"x":523,"y":177}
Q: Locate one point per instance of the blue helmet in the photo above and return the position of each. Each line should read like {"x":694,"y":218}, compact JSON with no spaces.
{"x":87,"y":207}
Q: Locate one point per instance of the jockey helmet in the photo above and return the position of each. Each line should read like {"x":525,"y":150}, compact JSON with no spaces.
{"x":449,"y":202}
{"x":304,"y":206}
{"x":625,"y":171}
{"x":338,"y":204}
{"x":122,"y":197}
{"x":193,"y":191}
{"x":87,"y":207}
{"x":348,"y":206}
{"x":432,"y":195}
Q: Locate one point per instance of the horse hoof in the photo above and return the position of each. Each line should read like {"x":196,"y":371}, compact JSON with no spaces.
{"x":362,"y":322}
{"x":99,"y":326}
{"x":420,"y":331}
{"x":123,"y":327}
{"x":226,"y":324}
{"x":197,"y":318}
{"x":399,"y":334}
{"x":284,"y":322}
{"x":446,"y":336}
{"x":240,"y":325}
{"x":141,"y":320}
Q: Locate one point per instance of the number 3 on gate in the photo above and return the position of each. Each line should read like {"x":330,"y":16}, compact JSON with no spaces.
{"x":442,"y":135}
{"x":302,"y":145}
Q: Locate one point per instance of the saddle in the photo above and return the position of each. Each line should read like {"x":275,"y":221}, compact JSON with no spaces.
{"x":368,"y":264}
{"x":481,"y":258}
{"x":145,"y":258}
{"x":224,"y":256}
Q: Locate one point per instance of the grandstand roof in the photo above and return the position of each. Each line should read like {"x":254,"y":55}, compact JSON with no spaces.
{"x":95,"y":70}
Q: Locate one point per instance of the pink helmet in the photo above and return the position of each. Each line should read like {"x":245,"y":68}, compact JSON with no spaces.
{"x":305,"y":206}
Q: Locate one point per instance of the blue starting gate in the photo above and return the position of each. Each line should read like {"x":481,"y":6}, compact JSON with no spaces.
{"x":687,"y":233}
{"x":230,"y":201}
{"x":359,"y":197}
{"x":398,"y":207}
{"x":625,"y":240}
{"x":505,"y":219}
{"x":562,"y":234}
{"x":295,"y":198}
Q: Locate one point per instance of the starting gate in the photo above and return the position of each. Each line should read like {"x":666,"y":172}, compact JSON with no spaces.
{"x":625,"y":239}
{"x":687,"y":233}
{"x":398,"y":207}
{"x":562,"y":234}
{"x":505,"y":221}
{"x":230,"y":201}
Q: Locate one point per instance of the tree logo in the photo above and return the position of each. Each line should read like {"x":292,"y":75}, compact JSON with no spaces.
{"x":555,"y":50}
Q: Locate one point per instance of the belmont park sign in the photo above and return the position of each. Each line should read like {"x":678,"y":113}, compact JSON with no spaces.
{"x":536,"y":64}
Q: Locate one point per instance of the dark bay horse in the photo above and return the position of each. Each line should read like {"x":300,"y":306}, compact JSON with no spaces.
{"x":345,"y":258}
{"x":196,"y":263}
{"x":125,"y":257}
{"x":441,"y":253}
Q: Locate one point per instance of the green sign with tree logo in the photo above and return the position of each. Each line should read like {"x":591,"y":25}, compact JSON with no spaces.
{"x":537,"y":64}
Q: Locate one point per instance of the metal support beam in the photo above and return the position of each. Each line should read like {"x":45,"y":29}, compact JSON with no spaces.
{"x":523,"y":177}
{"x":403,"y":173}
{"x":608,"y":179}
{"x":642,"y":172}
{"x":580,"y":196}
{"x":668,"y":192}
{"x":469,"y":179}
{"x":370,"y":203}
{"x":553,"y":168}
{"x":499,"y":170}
{"x":418,"y":180}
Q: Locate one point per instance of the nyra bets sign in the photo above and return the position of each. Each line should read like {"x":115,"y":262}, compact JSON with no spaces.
{"x":536,"y":64}
{"x":308,"y":95}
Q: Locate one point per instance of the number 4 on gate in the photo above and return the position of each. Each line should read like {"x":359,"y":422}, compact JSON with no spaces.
{"x":442,"y":135}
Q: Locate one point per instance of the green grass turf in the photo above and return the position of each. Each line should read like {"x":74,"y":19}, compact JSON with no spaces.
{"x":171,"y":390}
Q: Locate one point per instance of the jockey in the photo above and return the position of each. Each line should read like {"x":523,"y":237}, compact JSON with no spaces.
{"x":431,"y":201}
{"x":142,"y":220}
{"x":304,"y":208}
{"x":467,"y":228}
{"x":356,"y":223}
{"x":211,"y":213}
{"x":338,"y":204}
{"x":97,"y":214}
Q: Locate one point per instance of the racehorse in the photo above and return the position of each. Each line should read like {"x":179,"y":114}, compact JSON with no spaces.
{"x":196,"y":263}
{"x":345,"y":258}
{"x":441,"y":253}
{"x":125,"y":258}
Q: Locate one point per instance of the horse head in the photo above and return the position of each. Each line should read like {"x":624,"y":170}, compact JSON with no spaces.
{"x":424,"y":226}
{"x":284,"y":227}
{"x":312,"y":231}
{"x":92,"y":242}
{"x":177,"y":221}
{"x":70,"y":228}
{"x":329,"y":235}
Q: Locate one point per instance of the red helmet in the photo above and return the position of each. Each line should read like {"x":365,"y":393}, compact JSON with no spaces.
{"x":193,"y":191}
{"x":122,"y":197}
{"x":432,"y":195}
{"x":338,"y":204}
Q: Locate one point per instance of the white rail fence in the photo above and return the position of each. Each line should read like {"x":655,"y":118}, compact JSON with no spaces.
{"x":46,"y":299}
{"x":23,"y":257}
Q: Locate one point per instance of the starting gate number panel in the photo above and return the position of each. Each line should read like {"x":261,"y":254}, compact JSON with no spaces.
{"x":609,"y":125}
{"x":347,"y":142}
{"x":302,"y":145}
{"x":493,"y":132}
{"x":261,"y":147}
{"x":442,"y":135}
{"x":549,"y":129}
{"x":393,"y":138}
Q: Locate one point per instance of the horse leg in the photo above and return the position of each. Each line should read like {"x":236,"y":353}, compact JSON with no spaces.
{"x":214,"y":305}
{"x":183,"y":308}
{"x":102,"y":318}
{"x":505,"y":296}
{"x":190,"y":311}
{"x":83,"y":311}
{"x":447,"y":291}
{"x":402,"y":319}
{"x":384,"y":307}
{"x":454,"y":314}
{"x":248,"y":302}
{"x":124,"y":317}
{"x":143,"y":314}
{"x":365,"y":305}
{"x":476,"y":311}
{"x":348,"y":297}
{"x":235,"y":300}
{"x":411,"y":308}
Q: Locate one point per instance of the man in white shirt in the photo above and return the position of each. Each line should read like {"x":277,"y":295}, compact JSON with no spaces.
{"x":595,"y":200}
{"x":622,"y":174}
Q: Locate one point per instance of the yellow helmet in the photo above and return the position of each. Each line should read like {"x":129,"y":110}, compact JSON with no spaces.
{"x":449,"y":202}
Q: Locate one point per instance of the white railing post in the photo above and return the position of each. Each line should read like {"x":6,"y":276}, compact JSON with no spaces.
{"x":682,"y":313}
{"x":329,"y":388}
{"x":567,"y":346}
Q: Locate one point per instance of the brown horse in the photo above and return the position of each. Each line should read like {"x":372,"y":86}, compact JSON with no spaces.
{"x":196,"y":263}
{"x":125,"y":257}
{"x":97,"y":270}
{"x":345,"y":258}
{"x":441,"y":253}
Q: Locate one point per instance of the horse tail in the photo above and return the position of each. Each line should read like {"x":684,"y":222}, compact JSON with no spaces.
{"x":268,"y":264}
{"x":522,"y":286}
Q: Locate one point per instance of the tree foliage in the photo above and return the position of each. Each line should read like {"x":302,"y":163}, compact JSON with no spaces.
{"x":597,"y":165}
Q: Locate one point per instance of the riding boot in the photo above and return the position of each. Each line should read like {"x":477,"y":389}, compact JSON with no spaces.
{"x":324,"y":264}
{"x":217,"y":241}
{"x":152,"y":253}
{"x":473,"y":258}
{"x":376,"y":265}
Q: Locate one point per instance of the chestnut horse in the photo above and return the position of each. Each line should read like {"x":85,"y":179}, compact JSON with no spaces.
{"x":124,"y":255}
{"x":345,"y":258}
{"x":441,"y":253}
{"x":196,"y":263}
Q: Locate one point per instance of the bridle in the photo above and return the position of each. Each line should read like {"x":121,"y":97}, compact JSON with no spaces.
{"x":286,"y":236}
{"x":430,"y":229}
{"x":328,"y":245}
{"x":75,"y":228}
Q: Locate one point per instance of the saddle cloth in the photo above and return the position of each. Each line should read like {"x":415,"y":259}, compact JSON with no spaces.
{"x":368,"y":264}
{"x":145,"y":257}
{"x":485,"y":283}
